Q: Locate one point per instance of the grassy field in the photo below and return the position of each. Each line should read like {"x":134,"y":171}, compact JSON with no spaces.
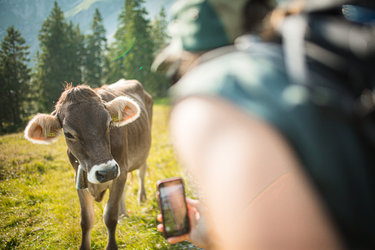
{"x":39,"y":207}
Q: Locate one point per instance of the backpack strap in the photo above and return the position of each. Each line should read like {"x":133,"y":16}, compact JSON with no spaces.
{"x":293,"y":35}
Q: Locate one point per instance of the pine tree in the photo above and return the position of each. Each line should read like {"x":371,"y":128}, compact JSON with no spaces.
{"x":131,"y":54}
{"x":50,"y":74}
{"x":60,"y":57}
{"x":75,"y":51}
{"x":14,"y":83}
{"x":95,"y":49}
{"x":160,"y":39}
{"x":159,"y":31}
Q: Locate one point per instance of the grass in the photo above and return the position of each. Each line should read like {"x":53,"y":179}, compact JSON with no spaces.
{"x":39,"y":206}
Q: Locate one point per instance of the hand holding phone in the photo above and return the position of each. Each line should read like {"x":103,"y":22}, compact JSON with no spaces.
{"x":172,"y":203}
{"x":198,"y":233}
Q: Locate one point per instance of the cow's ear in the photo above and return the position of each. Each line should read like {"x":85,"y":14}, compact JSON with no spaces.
{"x":43,"y":129}
{"x":123,"y":110}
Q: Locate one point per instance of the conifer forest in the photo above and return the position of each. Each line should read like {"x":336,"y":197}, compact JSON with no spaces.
{"x":67,"y":55}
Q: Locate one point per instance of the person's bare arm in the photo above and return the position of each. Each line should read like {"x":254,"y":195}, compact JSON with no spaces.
{"x":253,"y":187}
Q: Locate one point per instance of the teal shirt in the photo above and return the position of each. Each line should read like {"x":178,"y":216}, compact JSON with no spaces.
{"x":328,"y":146}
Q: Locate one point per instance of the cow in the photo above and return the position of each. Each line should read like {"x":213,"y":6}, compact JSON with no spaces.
{"x":108,"y":134}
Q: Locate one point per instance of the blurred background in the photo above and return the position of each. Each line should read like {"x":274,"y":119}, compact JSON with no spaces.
{"x":47,"y":44}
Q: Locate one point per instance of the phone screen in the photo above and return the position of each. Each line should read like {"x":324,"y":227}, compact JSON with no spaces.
{"x":173,"y":206}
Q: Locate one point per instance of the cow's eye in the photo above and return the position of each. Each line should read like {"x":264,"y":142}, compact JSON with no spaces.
{"x":68,"y":135}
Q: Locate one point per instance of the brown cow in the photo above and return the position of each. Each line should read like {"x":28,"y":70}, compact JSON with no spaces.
{"x":108,"y":134}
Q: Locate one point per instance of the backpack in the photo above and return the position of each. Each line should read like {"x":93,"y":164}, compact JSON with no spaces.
{"x":336,"y":39}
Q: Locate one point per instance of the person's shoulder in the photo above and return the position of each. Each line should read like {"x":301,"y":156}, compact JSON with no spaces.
{"x":247,"y":63}
{"x":248,"y":54}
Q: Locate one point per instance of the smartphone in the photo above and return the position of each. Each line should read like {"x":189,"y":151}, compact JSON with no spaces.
{"x":172,"y":203}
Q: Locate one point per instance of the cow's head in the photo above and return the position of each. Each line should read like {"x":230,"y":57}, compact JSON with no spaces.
{"x":86,"y":121}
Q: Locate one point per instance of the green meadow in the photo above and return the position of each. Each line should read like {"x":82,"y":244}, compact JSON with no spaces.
{"x":39,"y":206}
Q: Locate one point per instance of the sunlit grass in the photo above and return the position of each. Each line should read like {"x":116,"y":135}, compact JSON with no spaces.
{"x":39,"y":207}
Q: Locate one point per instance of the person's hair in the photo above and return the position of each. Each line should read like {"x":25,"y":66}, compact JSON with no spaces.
{"x":255,"y":13}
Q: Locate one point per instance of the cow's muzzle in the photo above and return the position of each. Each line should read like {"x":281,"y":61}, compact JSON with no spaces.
{"x":104,"y":172}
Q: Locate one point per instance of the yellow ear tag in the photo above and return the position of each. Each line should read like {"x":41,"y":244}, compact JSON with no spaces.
{"x":51,"y":134}
{"x":115,"y":119}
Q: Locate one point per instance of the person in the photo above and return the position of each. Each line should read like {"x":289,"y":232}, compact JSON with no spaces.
{"x":267,"y":137}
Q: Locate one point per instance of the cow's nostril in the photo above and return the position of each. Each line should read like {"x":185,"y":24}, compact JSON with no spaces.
{"x":107,"y":174}
{"x":100,"y":175}
{"x":115,"y":168}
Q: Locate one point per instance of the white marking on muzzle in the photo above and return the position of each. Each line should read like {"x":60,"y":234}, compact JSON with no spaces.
{"x":92,"y":174}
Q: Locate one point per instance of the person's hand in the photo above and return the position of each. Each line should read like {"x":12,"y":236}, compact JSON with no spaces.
{"x":198,"y":232}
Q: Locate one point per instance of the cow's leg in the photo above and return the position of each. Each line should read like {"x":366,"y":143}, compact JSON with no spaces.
{"x":111,"y":210}
{"x":87,"y":217}
{"x":123,"y":212}
{"x":142,"y":191}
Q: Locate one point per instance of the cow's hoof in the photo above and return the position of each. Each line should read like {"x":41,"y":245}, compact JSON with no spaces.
{"x":122,"y":216}
{"x":111,"y":247}
{"x":142,"y":198}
